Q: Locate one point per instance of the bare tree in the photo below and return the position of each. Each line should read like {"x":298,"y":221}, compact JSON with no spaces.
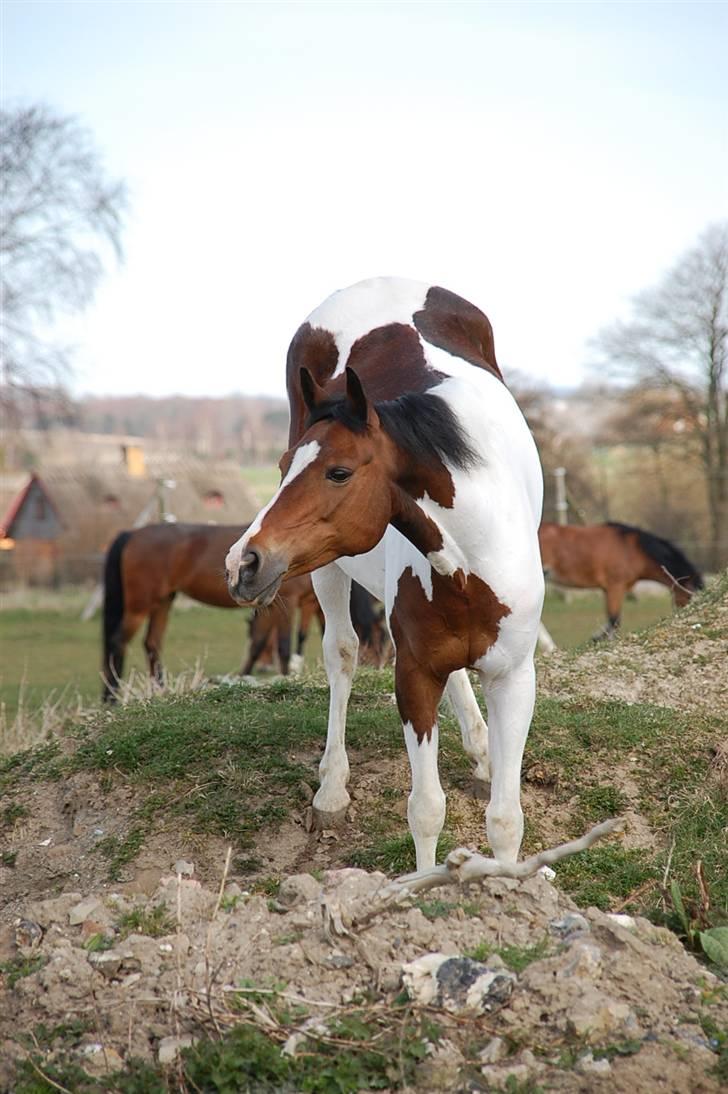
{"x":59,"y":215}
{"x":678,"y":339}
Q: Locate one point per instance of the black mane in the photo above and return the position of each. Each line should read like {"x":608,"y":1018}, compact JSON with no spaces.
{"x":664,"y":553}
{"x":421,"y":423}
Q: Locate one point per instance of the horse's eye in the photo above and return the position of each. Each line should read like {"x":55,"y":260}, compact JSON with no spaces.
{"x":338,"y":474}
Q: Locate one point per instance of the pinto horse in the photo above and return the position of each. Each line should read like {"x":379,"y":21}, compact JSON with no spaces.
{"x":147,"y":567}
{"x":613,"y":557}
{"x":412,"y":470}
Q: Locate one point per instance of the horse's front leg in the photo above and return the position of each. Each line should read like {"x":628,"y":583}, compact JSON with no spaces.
{"x":510,"y":699}
{"x":340,"y":647}
{"x":418,"y":695}
{"x":614,"y":598}
{"x":473,"y":728}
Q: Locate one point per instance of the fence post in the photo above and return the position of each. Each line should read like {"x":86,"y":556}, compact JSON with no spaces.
{"x":562,"y":506}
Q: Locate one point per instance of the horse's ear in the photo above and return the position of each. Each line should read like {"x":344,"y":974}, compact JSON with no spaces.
{"x":311,"y":391}
{"x":356,"y":398}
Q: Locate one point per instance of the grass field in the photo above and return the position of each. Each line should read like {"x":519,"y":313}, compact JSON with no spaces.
{"x":48,"y":650}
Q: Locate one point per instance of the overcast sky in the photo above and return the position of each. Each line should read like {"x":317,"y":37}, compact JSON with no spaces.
{"x":546,"y":161}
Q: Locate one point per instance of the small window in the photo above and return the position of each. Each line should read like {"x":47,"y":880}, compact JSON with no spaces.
{"x":213,"y":499}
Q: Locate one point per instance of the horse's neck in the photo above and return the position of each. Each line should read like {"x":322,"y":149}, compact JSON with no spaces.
{"x":653,"y":571}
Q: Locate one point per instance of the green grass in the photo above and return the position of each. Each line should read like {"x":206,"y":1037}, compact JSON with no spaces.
{"x":357,"y":1051}
{"x":228,"y":760}
{"x":573,"y":619}
{"x":50,"y":651}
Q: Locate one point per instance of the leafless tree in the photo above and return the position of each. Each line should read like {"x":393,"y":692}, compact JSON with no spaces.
{"x":59,"y":216}
{"x":678,"y":339}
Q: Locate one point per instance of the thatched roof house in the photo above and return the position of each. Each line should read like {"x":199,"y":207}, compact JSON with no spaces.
{"x":65,"y":516}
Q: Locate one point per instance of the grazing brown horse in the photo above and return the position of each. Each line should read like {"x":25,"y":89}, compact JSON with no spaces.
{"x":147,"y":567}
{"x":412,"y":470}
{"x":612,"y":557}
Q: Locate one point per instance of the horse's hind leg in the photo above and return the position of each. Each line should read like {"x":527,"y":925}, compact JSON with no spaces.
{"x":114,"y":666}
{"x":510,"y":702}
{"x":308,"y":608}
{"x":260,"y":629}
{"x":153,"y":638}
{"x":473,"y":728}
{"x":284,"y":645}
{"x":340,"y":648}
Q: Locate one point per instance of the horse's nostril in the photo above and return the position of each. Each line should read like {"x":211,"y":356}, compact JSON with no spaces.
{"x":249,"y":565}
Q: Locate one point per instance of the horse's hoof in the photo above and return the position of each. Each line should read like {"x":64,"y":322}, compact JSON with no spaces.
{"x":323,"y":819}
{"x":481,"y":789}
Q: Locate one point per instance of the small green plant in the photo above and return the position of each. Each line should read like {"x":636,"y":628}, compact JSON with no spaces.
{"x":98,"y":942}
{"x":517,"y":958}
{"x":718,"y":1039}
{"x":358,"y":1051}
{"x":8,"y":858}
{"x":120,"y":852}
{"x":155,"y":922}
{"x":435,"y":909}
{"x":11,"y":813}
{"x":713,"y":941}
{"x":619,"y":1048}
{"x":481,"y":952}
{"x":20,"y":967}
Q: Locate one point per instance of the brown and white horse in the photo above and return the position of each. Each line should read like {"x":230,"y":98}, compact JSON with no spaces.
{"x":411,"y":470}
{"x":613,"y":557}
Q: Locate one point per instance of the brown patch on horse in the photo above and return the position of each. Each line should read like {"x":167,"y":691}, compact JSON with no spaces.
{"x":435,"y":481}
{"x":453,"y":631}
{"x":395,"y":344}
{"x":453,"y":324}
{"x":416,"y":526}
{"x":315,"y":349}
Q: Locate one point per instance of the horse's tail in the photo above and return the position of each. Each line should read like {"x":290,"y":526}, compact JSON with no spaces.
{"x":113,"y":615}
{"x":675,"y":564}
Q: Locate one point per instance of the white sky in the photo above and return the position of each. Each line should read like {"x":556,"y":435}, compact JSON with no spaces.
{"x":545,"y":160}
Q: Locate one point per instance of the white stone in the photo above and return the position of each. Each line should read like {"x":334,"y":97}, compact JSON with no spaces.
{"x":82,"y":911}
{"x":170,"y":1047}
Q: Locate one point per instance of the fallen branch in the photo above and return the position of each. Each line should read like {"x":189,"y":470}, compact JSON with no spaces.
{"x":461,"y":866}
{"x":676,"y":583}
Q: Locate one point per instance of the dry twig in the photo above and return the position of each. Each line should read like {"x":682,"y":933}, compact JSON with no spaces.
{"x":461,"y":865}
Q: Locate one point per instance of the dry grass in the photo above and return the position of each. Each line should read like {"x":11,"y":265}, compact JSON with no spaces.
{"x":32,"y":725}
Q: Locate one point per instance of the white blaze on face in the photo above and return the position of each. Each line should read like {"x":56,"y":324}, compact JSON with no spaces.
{"x":303,"y":456}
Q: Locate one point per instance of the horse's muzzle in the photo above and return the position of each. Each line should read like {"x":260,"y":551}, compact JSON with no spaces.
{"x":257,"y":580}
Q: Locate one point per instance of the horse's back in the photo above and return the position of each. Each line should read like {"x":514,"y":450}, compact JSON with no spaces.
{"x":390,"y":331}
{"x":166,"y":558}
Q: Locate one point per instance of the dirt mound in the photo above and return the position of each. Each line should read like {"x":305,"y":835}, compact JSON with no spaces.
{"x":500,"y":986}
{"x":680,"y":662}
{"x":566,"y":1001}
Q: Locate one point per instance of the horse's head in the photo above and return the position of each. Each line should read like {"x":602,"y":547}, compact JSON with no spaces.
{"x":684,"y":589}
{"x":334,"y":498}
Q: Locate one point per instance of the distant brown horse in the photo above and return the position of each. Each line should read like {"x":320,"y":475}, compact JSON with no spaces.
{"x":612,"y":557}
{"x":147,"y":567}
